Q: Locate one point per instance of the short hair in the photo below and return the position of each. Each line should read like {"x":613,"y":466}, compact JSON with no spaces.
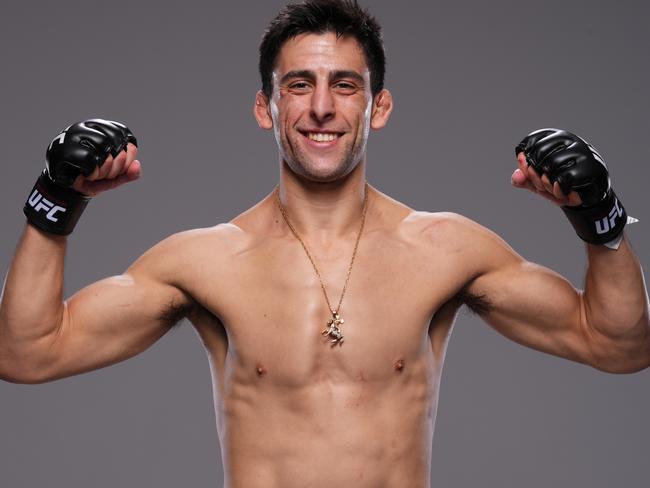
{"x":343,"y":17}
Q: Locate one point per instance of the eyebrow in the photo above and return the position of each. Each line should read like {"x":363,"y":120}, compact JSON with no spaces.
{"x":334,"y":75}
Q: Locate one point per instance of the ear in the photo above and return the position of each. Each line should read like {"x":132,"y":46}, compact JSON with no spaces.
{"x":382,"y":106}
{"x":262,"y":111}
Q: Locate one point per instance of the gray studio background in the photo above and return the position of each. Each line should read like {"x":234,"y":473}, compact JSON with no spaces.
{"x":470,"y":79}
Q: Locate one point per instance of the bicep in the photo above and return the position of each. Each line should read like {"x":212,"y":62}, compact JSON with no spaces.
{"x":536,"y":307}
{"x":527,"y":303}
{"x":112,"y":320}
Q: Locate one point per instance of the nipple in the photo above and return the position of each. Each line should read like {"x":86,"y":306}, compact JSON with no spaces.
{"x":261,"y":370}
{"x":398,"y":365}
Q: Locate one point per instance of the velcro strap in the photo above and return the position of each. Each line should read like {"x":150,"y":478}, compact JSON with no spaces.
{"x":600,"y":223}
{"x":53,"y":208}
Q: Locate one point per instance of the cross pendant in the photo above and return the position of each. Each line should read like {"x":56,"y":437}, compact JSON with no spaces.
{"x":333,"y":330}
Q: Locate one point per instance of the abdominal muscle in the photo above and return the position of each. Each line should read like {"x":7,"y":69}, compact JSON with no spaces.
{"x":360,"y":431}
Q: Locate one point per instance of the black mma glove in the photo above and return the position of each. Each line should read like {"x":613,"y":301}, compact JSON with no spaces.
{"x":577,"y":166}
{"x":53,"y":205}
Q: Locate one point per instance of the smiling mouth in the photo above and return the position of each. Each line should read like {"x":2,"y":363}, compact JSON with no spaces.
{"x":322,"y":136}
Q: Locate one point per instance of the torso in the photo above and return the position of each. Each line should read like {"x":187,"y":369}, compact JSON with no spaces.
{"x":291,"y":410}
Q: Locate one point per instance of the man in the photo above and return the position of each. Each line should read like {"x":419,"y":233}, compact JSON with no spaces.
{"x":326,"y":308}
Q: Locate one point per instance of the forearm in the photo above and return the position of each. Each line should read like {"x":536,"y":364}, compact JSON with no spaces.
{"x":31,"y":307}
{"x":615,"y":297}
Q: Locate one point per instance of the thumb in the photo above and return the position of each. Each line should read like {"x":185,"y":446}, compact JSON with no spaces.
{"x":518,"y":178}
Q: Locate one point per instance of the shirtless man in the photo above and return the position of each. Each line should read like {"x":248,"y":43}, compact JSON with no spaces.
{"x":304,"y":399}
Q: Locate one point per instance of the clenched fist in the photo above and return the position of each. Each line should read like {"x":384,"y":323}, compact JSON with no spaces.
{"x":85,"y":159}
{"x":564,"y":168}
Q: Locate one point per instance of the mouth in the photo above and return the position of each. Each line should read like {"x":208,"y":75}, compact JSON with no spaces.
{"x":322,"y":138}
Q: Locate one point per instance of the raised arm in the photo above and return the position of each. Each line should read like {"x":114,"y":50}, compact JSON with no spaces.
{"x":43,"y":337}
{"x":606,"y":325}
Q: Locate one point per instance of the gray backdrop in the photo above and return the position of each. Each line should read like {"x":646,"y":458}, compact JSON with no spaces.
{"x":470,"y":79}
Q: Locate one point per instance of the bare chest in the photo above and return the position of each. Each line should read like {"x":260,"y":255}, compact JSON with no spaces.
{"x":272,"y":307}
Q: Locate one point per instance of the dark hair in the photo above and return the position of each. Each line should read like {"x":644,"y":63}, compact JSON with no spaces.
{"x":343,"y":17}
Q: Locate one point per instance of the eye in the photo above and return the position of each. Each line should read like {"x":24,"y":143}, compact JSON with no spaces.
{"x":345,"y":87}
{"x":299,"y":86}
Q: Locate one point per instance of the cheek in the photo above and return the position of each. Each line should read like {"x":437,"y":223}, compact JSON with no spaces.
{"x":363,"y":115}
{"x":287,"y":111}
{"x":359,"y":108}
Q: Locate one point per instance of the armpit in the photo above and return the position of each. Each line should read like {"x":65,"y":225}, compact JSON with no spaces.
{"x":175,"y":312}
{"x":477,"y":304}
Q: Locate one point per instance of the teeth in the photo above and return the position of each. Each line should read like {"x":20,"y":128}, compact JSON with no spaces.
{"x":321,"y":137}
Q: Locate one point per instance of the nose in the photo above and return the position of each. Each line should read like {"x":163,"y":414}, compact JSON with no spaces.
{"x":322,"y":104}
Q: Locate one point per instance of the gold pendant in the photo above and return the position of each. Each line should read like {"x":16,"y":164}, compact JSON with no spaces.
{"x":333,"y":331}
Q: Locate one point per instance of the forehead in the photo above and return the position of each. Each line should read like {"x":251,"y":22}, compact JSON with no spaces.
{"x":321,"y":52}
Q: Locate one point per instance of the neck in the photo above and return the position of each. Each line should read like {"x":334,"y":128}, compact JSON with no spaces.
{"x":324,"y":210}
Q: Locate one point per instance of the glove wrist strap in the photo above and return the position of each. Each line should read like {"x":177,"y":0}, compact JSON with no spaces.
{"x":53,"y":208}
{"x":599,"y":223}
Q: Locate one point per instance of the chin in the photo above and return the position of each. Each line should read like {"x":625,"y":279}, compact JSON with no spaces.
{"x":316,"y":174}
{"x":320,"y":168}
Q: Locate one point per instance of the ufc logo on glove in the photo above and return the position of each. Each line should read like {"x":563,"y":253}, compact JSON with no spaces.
{"x":38,"y":202}
{"x":606,"y":223}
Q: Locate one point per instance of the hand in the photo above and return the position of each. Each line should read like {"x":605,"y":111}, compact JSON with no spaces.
{"x":85,"y":159}
{"x":93,"y":156}
{"x":112,"y":173}
{"x":526,"y":177}
{"x":568,"y":171}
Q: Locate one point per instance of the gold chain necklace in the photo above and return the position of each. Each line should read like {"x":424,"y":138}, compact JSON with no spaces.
{"x":332,"y":329}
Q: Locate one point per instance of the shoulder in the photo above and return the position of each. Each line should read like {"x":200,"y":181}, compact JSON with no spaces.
{"x":455,"y":235}
{"x":466,"y":245}
{"x":465,"y":249}
{"x":193,"y":240}
{"x":182,"y":252}
{"x":449,"y":226}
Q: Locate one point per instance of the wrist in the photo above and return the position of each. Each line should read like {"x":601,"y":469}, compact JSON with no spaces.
{"x":53,"y":208}
{"x":601,"y":223}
